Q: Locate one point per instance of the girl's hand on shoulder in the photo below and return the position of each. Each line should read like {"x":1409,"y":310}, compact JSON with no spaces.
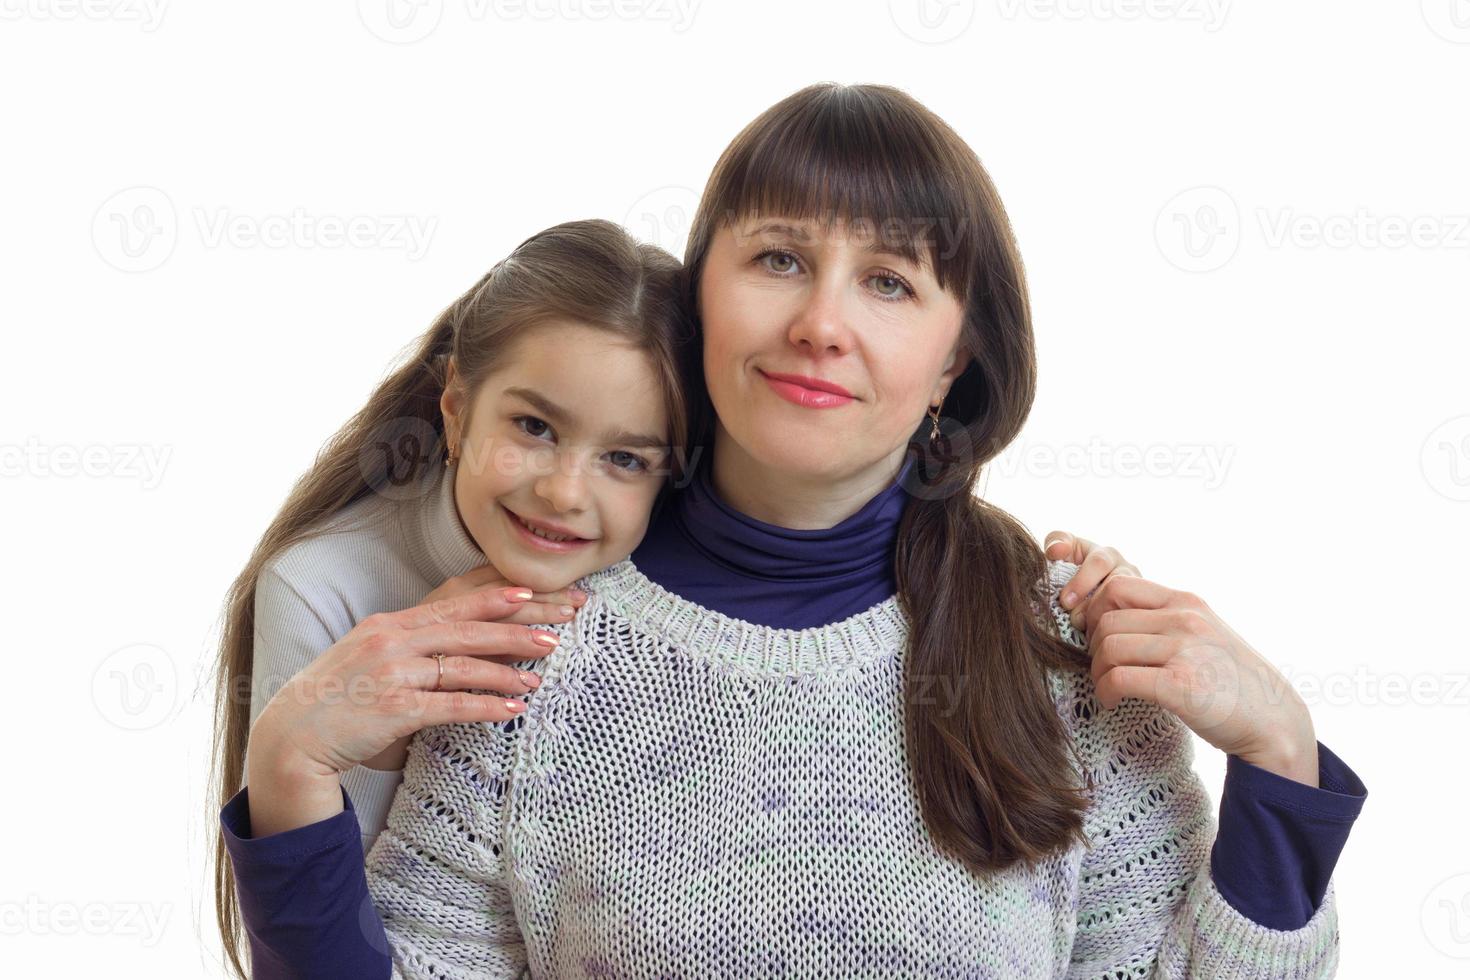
{"x":380,"y":682}
{"x":1169,"y":647}
{"x":542,"y":607}
{"x":1095,"y":566}
{"x":549,"y":607}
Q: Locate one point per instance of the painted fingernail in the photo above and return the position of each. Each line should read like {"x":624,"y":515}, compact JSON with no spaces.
{"x":515,"y":705}
{"x":1069,"y":599}
{"x":529,"y":679}
{"x":577,"y":595}
{"x":566,"y":610}
{"x":517,"y":595}
{"x":547,"y":639}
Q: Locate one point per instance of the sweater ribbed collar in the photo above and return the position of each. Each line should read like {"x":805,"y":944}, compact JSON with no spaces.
{"x":438,"y":543}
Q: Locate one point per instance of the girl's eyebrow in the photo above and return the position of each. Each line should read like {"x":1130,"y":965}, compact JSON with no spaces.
{"x":559,"y":415}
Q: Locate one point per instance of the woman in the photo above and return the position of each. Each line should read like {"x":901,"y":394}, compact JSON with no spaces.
{"x":852,"y":270}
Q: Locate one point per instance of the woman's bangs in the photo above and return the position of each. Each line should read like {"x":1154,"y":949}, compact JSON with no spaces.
{"x":821,"y":172}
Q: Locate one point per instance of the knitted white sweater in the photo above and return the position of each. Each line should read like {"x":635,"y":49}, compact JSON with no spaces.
{"x":691,"y":795}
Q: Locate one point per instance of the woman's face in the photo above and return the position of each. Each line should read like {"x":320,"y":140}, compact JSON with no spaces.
{"x":778,"y":296}
{"x":571,"y":433}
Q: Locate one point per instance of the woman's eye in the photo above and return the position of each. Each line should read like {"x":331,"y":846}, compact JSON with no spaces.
{"x":620,"y":456}
{"x":890,"y":287}
{"x":775,"y":255}
{"x":522,"y":421}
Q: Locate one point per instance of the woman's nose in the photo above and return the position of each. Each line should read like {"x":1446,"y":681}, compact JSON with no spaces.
{"x":821,"y":322}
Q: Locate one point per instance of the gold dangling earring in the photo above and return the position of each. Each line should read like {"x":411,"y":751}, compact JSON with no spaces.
{"x":934,"y":422}
{"x":453,"y":455}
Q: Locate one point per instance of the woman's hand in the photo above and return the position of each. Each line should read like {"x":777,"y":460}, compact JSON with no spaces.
{"x":1165,"y":646}
{"x":1096,"y":565}
{"x":539,"y":609}
{"x":377,"y":685}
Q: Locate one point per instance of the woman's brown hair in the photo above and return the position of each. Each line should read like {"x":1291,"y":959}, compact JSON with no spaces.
{"x":992,"y":769}
{"x":591,"y":272}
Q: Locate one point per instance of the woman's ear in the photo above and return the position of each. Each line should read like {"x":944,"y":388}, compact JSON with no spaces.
{"x":959,"y":359}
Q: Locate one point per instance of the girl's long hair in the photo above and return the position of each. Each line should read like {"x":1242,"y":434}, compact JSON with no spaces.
{"x":992,"y":769}
{"x":591,"y":272}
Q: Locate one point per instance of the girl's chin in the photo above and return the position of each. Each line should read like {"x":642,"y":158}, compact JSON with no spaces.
{"x":541,"y":576}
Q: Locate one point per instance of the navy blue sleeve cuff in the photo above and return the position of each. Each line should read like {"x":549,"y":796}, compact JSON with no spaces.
{"x":1278,"y":839}
{"x":304,"y":897}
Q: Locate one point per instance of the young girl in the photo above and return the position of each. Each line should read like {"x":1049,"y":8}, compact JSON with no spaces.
{"x":552,"y":391}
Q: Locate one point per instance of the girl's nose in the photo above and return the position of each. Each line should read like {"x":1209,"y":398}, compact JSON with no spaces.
{"x":565,"y":489}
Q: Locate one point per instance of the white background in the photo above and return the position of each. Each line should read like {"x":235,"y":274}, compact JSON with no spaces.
{"x":1247,"y":234}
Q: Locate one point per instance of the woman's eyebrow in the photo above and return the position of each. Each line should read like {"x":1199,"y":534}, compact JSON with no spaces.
{"x":803,"y":233}
{"x":559,"y":415}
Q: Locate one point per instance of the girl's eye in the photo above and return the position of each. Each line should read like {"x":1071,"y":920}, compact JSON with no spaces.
{"x":622,"y":459}
{"x":639,"y":464}
{"x":532,"y":420}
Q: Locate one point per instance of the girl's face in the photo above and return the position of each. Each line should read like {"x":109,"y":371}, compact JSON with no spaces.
{"x":571,"y":435}
{"x":779,"y":296}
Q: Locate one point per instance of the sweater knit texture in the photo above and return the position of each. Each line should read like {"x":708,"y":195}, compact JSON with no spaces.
{"x":692,"y":795}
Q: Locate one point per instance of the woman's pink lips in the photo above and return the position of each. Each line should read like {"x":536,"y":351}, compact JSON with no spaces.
{"x":805,"y":397}
{"x":542,"y":544}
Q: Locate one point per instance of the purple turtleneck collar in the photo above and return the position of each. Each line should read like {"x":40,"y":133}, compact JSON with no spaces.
{"x":704,"y":550}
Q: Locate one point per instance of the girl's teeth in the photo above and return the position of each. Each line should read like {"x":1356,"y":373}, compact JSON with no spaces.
{"x":543,"y":534}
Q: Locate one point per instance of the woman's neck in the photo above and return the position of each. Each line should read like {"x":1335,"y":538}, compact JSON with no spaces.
{"x":796,"y":500}
{"x":714,"y":552}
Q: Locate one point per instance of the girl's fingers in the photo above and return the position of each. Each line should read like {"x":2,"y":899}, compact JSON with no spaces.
{"x":1063,"y":546}
{"x":1133,"y":649}
{"x":1090,"y":573}
{"x":459,"y":707}
{"x":486,"y":605}
{"x":489,"y":604}
{"x":562,"y":597}
{"x":474,"y":638}
{"x":1143,"y":622}
{"x":1154,"y":684}
{"x":1124,"y":592}
{"x":469,"y":673}
{"x":531,"y":613}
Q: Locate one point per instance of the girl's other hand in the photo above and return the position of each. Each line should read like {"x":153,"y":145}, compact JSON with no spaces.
{"x":1169,"y":647}
{"x":1095,"y":566}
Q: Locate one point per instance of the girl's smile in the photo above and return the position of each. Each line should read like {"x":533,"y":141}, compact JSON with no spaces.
{"x":542,"y":538}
